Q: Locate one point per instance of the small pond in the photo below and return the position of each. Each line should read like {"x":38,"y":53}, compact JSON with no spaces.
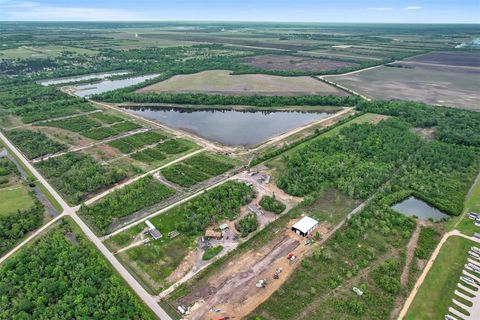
{"x":231,"y":127}
{"x":86,"y":90}
{"x":422,"y":210}
{"x":81,"y":78}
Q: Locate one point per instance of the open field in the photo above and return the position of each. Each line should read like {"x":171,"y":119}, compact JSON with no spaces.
{"x":440,"y":81}
{"x":223,"y":82}
{"x":286,"y":62}
{"x":435,"y":295}
{"x":15,"y":198}
{"x":27,"y":52}
{"x":472,"y":204}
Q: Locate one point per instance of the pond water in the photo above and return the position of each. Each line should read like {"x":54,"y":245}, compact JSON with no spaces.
{"x":81,"y":78}
{"x":237,"y":128}
{"x":422,"y":210}
{"x":86,"y":90}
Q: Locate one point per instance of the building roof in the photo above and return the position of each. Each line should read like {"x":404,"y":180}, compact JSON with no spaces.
{"x":155,"y":233}
{"x":305,"y":224}
{"x":149,"y":224}
{"x":223,"y":226}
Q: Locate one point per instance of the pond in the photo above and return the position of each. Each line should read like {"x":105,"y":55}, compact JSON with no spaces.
{"x":86,"y":90}
{"x":231,"y":127}
{"x":422,"y":210}
{"x":81,"y":78}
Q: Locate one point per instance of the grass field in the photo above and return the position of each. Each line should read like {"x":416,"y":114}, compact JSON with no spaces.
{"x":472,"y":203}
{"x":15,"y":198}
{"x":435,"y":295}
{"x":25,"y":52}
{"x":223,"y":82}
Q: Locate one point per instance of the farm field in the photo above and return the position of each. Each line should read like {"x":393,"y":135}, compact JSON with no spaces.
{"x":27,"y":52}
{"x":223,"y":82}
{"x":438,"y":80}
{"x":289,"y":63}
{"x":435,"y":295}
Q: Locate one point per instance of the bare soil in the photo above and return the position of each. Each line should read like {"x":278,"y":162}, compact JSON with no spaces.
{"x":292,"y":63}
{"x":232,"y":289}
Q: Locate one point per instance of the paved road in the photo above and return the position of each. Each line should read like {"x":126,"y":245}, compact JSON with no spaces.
{"x":71,"y":211}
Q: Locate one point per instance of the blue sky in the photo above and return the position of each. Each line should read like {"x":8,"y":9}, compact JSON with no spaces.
{"x":398,"y":11}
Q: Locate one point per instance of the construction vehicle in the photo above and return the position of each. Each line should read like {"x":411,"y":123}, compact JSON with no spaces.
{"x":291,"y":257}
{"x":276,"y":275}
{"x":262,"y":283}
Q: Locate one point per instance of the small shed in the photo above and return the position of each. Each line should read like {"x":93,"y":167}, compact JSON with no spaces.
{"x":223,"y":226}
{"x":153,"y":230}
{"x":254,"y":209}
{"x":305,"y":226}
{"x":210,"y":233}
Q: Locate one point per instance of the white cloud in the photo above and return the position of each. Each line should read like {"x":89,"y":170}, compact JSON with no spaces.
{"x":380,"y":9}
{"x":6,"y":4}
{"x":412,"y":8}
{"x":26,"y":10}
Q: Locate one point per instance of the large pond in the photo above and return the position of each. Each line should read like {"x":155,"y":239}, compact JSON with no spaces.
{"x":422,"y":210}
{"x":86,"y":90}
{"x":81,"y":78}
{"x":237,"y":128}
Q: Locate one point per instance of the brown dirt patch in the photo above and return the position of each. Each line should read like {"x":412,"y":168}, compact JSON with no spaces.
{"x":232,"y":289}
{"x":186,"y":265}
{"x":292,"y":63}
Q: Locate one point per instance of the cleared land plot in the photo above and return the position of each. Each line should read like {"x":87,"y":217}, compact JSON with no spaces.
{"x":291,"y":63}
{"x":15,"y":198}
{"x":435,"y":295}
{"x":223,"y":82}
{"x":442,"y":85}
{"x":450,"y":58}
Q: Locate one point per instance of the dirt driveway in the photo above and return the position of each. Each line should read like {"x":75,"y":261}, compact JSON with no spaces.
{"x":232,"y":290}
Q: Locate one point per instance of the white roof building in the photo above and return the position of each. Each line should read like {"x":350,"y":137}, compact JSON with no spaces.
{"x":305,"y":226}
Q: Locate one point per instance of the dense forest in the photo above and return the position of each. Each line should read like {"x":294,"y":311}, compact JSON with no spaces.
{"x":125,"y":95}
{"x":356,"y":162}
{"x":62,"y":276}
{"x":16,"y":225}
{"x":451,"y":125}
{"x":140,"y":194}
{"x":76,"y":175}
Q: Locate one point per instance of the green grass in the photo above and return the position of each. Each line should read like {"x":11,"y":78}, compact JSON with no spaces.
{"x":472,"y":203}
{"x":15,"y":198}
{"x":211,"y":252}
{"x":24,"y":52}
{"x":435,"y":295}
